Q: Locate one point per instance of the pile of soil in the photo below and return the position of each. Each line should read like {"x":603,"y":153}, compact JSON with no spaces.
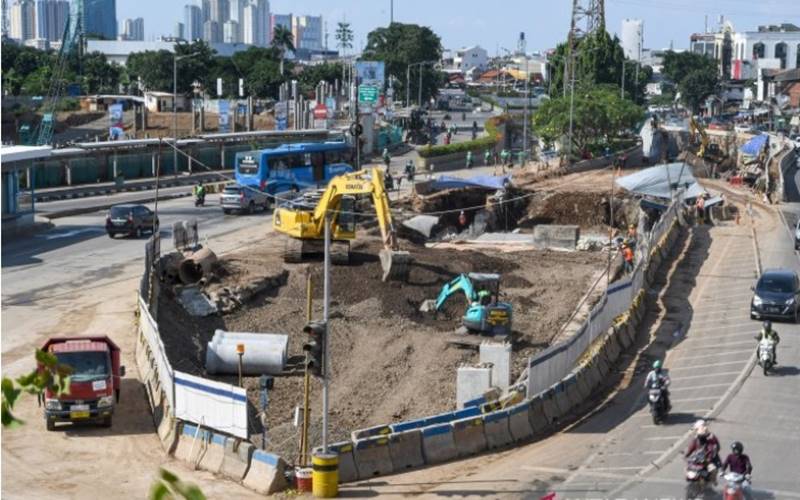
{"x":587,"y":210}
{"x":389,"y":361}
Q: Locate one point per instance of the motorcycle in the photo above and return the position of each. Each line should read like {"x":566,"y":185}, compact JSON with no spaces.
{"x":200,"y":200}
{"x":734,"y":487}
{"x":765,"y":359}
{"x":700,"y":473}
{"x":658,"y":406}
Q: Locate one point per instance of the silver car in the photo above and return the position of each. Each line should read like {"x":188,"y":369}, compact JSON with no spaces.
{"x":240,"y":199}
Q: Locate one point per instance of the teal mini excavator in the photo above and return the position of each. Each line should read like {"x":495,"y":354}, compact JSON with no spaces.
{"x":485,"y":313}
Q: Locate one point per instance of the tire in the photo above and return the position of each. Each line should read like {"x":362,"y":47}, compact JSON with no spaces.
{"x":796,"y":318}
{"x":226,"y":211}
{"x":50,"y":425}
{"x":106,"y":422}
{"x":111,"y":235}
{"x":138,"y":232}
{"x":251,"y":207}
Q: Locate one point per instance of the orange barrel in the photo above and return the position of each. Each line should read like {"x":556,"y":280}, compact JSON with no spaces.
{"x":303,"y":479}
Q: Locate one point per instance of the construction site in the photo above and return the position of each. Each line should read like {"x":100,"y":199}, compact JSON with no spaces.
{"x":392,"y":359}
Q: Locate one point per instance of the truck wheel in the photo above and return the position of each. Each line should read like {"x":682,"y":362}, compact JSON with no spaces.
{"x":226,"y":211}
{"x":106,"y":422}
{"x":251,"y":207}
{"x":51,"y":426}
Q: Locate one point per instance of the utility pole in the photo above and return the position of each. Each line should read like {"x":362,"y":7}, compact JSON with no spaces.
{"x":325,"y":315}
{"x":588,"y":16}
{"x":522,"y":46}
{"x":391,"y":12}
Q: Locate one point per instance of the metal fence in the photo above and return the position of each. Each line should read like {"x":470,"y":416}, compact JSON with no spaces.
{"x":554,"y":363}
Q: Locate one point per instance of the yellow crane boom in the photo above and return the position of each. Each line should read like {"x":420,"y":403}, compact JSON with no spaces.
{"x":306,"y":228}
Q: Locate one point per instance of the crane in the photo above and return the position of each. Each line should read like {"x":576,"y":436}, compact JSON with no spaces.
{"x":305,"y":225}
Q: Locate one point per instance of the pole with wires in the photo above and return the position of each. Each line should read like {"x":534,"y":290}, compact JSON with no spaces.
{"x":325,"y":315}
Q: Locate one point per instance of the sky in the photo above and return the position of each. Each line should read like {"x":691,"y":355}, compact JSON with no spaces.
{"x":496,"y":24}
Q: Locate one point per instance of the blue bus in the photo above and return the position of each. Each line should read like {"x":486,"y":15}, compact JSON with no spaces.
{"x":293,"y":166}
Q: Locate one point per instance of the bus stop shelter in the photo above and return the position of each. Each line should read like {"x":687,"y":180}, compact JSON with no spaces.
{"x":18,"y":204}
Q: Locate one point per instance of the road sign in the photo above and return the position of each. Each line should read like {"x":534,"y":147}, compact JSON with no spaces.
{"x":371,"y":73}
{"x":367,"y":93}
{"x":320,"y":111}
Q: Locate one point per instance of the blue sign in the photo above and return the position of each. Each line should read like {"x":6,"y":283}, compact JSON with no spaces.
{"x":281,"y":123}
{"x":371,"y":73}
{"x":330,"y":103}
{"x":224,"y":116}
{"x":115,"y":115}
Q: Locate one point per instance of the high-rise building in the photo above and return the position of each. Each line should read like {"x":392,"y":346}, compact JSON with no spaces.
{"x":220,"y":11}
{"x":23,"y":20}
{"x":236,"y":10}
{"x":51,"y":18}
{"x":249,"y":27}
{"x":307,"y":31}
{"x":132,"y":29}
{"x":193,"y":22}
{"x":230,"y":32}
{"x":631,"y":38}
{"x":211,"y":32}
{"x":100,"y":18}
{"x":205,"y":8}
{"x":179,"y":31}
{"x":263,"y":22}
{"x":284,"y":20}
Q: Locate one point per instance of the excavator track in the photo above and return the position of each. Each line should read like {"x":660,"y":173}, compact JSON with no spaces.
{"x":293,"y":251}
{"x":340,"y":253}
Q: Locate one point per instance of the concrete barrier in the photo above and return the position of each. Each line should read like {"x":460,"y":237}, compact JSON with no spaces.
{"x":372,"y":456}
{"x":593,"y":375}
{"x":539,"y":422}
{"x":553,"y":236}
{"x":562,"y":402}
{"x":602,"y":364}
{"x":167,"y":427}
{"x":611,"y":348}
{"x":347,"y":464}
{"x":519,"y":423}
{"x":378,"y":430}
{"x":438,"y":444}
{"x":621,"y":334}
{"x":469,"y":436}
{"x":192,"y":444}
{"x":214,"y":454}
{"x":574,"y":397}
{"x":405,"y":449}
{"x":549,"y":406}
{"x":495,"y":427}
{"x":236,"y":458}
{"x":408,"y":425}
{"x":584,"y":389}
{"x":266,"y":473}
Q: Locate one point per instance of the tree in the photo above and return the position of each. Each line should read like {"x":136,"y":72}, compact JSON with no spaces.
{"x":283,"y":40}
{"x":312,"y":75}
{"x":599,"y":117}
{"x":260,"y":68}
{"x":402,"y":44}
{"x":599,"y":59}
{"x":695,"y":75}
{"x":100,"y":76}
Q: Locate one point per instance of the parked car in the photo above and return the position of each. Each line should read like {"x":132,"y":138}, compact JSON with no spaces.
{"x":776,"y":295}
{"x":131,"y":220}
{"x":236,"y":198}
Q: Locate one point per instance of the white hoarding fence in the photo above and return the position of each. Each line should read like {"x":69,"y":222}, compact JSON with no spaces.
{"x":212,"y":404}
{"x":149,"y":330}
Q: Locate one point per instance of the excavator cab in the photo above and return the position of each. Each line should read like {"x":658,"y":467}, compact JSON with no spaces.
{"x":485,"y":313}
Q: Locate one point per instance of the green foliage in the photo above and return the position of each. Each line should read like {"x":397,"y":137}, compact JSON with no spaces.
{"x":49,"y":375}
{"x":283,"y":39}
{"x":695,"y":75}
{"x":312,"y":75}
{"x":479,"y":144}
{"x":170,"y":487}
{"x":68,"y":104}
{"x":599,"y":116}
{"x":402,"y":44}
{"x":599,"y":60}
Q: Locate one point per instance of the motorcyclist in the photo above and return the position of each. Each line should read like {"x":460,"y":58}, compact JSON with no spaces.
{"x":739,"y":463}
{"x":706,"y":440}
{"x":659,"y":378}
{"x":387,"y":159}
{"x":200,"y":192}
{"x":768,"y":333}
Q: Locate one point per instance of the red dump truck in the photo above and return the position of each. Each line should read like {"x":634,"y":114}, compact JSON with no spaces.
{"x":94,"y":384}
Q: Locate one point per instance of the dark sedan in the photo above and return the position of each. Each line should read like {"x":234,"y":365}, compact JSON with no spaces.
{"x":776,"y":295}
{"x":131,"y":220}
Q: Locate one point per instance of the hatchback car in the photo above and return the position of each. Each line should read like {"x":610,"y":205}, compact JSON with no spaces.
{"x":776,"y":295}
{"x":131,"y":220}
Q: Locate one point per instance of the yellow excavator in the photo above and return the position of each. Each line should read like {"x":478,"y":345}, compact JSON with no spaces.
{"x":707,"y":150}
{"x":305,"y":224}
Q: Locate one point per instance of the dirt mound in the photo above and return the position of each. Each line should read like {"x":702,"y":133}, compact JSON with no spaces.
{"x":584,"y":209}
{"x":389,"y":361}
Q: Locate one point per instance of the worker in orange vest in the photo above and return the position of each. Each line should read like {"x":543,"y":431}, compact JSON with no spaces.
{"x":627,"y":255}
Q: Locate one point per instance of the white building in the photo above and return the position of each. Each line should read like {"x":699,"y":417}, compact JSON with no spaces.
{"x":192,"y":22}
{"x":632,"y":38}
{"x":470,"y":57}
{"x":179,"y":31}
{"x":307,"y":31}
{"x":230,"y":32}
{"x":212,"y":32}
{"x":249,"y":27}
{"x":23,"y":20}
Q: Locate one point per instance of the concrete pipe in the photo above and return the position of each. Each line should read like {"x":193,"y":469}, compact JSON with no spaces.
{"x":263,"y":353}
{"x":199,"y":264}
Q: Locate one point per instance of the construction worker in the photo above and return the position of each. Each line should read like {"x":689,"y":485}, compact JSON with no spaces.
{"x":387,"y":158}
{"x":462,"y":220}
{"x":504,"y":156}
{"x":487,"y":157}
{"x":700,"y":206}
{"x":484,"y":297}
{"x":627,"y":255}
{"x":388,"y":180}
{"x":631,"y":238}
{"x":469,"y":159}
{"x":410,"y":170}
{"x":768,"y":333}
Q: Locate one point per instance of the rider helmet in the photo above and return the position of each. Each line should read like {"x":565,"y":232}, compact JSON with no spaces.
{"x":657,"y":365}
{"x":701,"y":428}
{"x":767,"y":325}
{"x":737,"y":447}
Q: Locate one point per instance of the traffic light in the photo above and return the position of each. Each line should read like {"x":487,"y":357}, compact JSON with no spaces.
{"x":315,"y":347}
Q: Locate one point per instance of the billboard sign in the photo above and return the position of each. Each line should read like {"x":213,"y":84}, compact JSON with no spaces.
{"x":224,"y":116}
{"x":371,"y":73}
{"x":115,"y":115}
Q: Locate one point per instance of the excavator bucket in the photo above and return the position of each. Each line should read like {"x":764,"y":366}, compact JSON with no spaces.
{"x":395,"y":264}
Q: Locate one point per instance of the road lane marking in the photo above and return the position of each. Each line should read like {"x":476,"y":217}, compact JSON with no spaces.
{"x":630,"y":467}
{"x":723,"y":353}
{"x":688,"y":400}
{"x":708,"y":365}
{"x":664,"y":438}
{"x":705,"y":375}
{"x":694,"y":387}
{"x":714,"y":345}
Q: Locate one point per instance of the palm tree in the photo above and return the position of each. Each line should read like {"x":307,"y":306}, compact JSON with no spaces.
{"x":283,"y":40}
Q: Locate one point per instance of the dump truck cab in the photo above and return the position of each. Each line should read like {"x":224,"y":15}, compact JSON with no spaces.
{"x":94,"y":387}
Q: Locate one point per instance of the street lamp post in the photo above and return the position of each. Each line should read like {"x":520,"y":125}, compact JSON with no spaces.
{"x":408,"y":81}
{"x":175,"y":60}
